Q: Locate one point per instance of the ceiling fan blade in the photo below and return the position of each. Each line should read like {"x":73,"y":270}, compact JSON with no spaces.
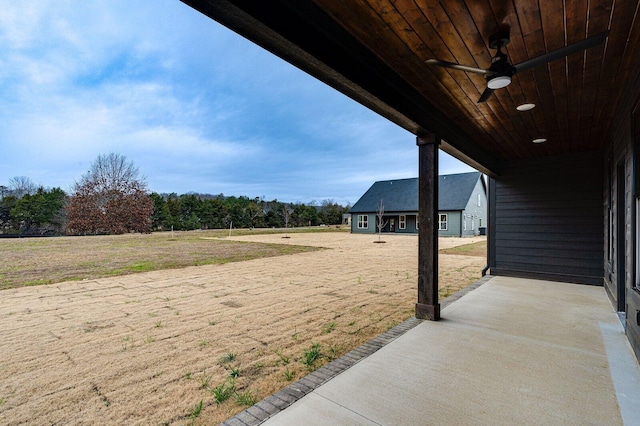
{"x":562,"y":52}
{"x":454,"y":66}
{"x":485,"y":95}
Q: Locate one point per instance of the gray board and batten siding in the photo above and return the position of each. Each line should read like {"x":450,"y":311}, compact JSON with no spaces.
{"x":475,"y":211}
{"x":545,"y":219}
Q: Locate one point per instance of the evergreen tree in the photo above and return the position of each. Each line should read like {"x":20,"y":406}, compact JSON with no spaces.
{"x":161,"y":214}
{"x":41,"y":212}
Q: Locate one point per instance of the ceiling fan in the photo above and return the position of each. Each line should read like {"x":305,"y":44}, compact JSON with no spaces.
{"x":499,"y":74}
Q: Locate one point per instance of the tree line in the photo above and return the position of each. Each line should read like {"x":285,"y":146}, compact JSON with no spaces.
{"x":192,"y":211}
{"x":112,"y":199}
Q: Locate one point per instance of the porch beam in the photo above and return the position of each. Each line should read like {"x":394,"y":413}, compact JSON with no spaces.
{"x":428,"y":306}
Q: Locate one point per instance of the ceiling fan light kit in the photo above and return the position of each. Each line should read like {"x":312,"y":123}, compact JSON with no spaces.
{"x":539,"y":140}
{"x":499,"y":82}
{"x":499,"y":74}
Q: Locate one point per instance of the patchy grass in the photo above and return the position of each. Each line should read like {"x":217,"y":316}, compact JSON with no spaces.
{"x":57,"y":259}
{"x":228,"y":357}
{"x":224,"y":391}
{"x":289,"y":375}
{"x":311,"y":355}
{"x":330,"y":327}
{"x":196,"y":410}
{"x":474,"y":249}
{"x":247,"y":398}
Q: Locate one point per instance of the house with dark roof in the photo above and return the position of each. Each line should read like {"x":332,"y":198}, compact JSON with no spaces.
{"x":462,"y":206}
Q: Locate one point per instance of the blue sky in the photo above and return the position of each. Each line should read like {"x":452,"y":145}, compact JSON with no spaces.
{"x":195,"y":106}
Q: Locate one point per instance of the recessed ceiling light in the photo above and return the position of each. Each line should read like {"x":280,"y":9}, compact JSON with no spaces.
{"x":525,"y":107}
{"x":539,"y":140}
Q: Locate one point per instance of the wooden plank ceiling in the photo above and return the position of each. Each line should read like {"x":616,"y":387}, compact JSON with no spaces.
{"x":576,"y":97}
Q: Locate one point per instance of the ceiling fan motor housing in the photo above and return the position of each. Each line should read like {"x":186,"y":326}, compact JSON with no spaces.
{"x":500,"y":64}
{"x":500,"y":71}
{"x":499,"y":40}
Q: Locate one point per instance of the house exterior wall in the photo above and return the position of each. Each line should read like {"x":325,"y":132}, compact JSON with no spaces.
{"x":410,"y":223}
{"x":632,"y":278}
{"x":621,"y":200}
{"x":371,"y":221}
{"x":548,"y":225}
{"x":412,"y":226}
{"x":479,"y":213}
{"x":454,"y":224}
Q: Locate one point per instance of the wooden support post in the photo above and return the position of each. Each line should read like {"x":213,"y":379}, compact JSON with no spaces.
{"x":428,"y":306}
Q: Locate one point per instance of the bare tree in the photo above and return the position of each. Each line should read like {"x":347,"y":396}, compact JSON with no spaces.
{"x":254,"y":211}
{"x":110,"y":198}
{"x":21,"y":186}
{"x":286,"y":213}
{"x":112,"y":172}
{"x":381,"y":223}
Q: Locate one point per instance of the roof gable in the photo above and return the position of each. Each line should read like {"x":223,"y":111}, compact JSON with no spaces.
{"x":454,"y":190}
{"x":401,"y":195}
{"x":397,"y":195}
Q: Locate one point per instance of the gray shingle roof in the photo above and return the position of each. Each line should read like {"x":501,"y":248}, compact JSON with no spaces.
{"x":401,"y":195}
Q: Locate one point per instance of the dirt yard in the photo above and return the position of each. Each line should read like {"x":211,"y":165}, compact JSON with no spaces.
{"x":160,"y":347}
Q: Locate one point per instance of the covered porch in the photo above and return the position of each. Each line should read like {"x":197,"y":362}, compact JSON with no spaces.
{"x":559,"y":138}
{"x":509,"y":351}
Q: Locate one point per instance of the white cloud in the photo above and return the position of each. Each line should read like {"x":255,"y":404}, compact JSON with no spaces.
{"x":194,"y":106}
{"x":19,"y":22}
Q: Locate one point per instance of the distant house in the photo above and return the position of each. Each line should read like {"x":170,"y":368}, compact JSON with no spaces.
{"x":462,"y":206}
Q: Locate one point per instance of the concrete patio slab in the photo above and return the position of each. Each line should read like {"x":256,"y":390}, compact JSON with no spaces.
{"x":513,"y":351}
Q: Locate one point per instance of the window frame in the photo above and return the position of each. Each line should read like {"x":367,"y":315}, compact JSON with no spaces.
{"x":402,"y":222}
{"x":363,"y":221}
{"x":441,"y":222}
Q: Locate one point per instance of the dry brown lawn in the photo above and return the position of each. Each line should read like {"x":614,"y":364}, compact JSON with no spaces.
{"x":146,"y":348}
{"x":36,"y":261}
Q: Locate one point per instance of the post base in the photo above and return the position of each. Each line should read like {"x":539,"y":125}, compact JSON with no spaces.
{"x":428,"y":312}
